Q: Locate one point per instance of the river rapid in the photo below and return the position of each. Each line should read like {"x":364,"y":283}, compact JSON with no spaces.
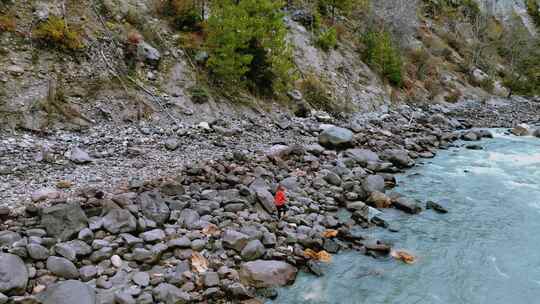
{"x":485,"y":250}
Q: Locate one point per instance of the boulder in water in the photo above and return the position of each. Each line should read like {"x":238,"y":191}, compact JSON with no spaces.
{"x":407,"y":205}
{"x":521,"y":130}
{"x":436,"y":207}
{"x":536,"y":132}
{"x":399,"y":157}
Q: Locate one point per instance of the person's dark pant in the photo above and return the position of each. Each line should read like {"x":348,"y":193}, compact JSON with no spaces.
{"x":281,"y":210}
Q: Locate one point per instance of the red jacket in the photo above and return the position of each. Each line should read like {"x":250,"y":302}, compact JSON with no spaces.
{"x":280,"y":198}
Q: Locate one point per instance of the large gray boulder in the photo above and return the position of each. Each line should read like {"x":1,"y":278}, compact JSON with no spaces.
{"x":154,"y":207}
{"x":373,"y":183}
{"x":264,"y":274}
{"x":119,"y":221}
{"x":64,"y":220}
{"x":170,"y":294}
{"x":399,"y":158}
{"x":536,"y":132}
{"x":7,"y":238}
{"x":234,"y":240}
{"x":407,"y":205}
{"x":68,"y":292}
{"x":13,"y":274}
{"x":62,"y":267}
{"x":266,"y":199}
{"x":336,"y":137}
{"x":189,"y":219}
{"x":362,"y":156}
{"x":253,"y":250}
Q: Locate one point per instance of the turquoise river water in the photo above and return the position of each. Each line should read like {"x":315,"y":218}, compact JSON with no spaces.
{"x":485,"y":250}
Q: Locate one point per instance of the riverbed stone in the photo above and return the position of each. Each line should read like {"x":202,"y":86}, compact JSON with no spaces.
{"x":362,"y":156}
{"x":373,"y":183}
{"x":141,"y":279}
{"x":153,"y":235}
{"x":37,"y":252}
{"x":68,"y":292}
{"x":399,"y":158}
{"x":234,"y":240}
{"x":335,"y":137}
{"x":119,"y":221}
{"x":170,"y":294}
{"x":8,"y":238}
{"x":264,"y":274}
{"x":64,"y":220}
{"x":62,"y":267}
{"x":253,"y":250}
{"x":13,"y":274}
{"x":407,"y":205}
{"x":154,"y":207}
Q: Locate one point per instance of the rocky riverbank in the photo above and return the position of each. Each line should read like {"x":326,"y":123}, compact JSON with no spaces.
{"x":190,"y":225}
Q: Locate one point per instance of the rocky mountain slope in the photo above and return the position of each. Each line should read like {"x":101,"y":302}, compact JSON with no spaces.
{"x":112,"y":78}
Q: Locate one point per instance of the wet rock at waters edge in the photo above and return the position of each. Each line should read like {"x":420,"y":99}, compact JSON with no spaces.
{"x":407,"y":205}
{"x":315,"y":267}
{"x":520,"y":130}
{"x":64,"y":220}
{"x":474,"y":147}
{"x":399,"y":158}
{"x":374,"y":183}
{"x":434,"y":206}
{"x":13,"y":274}
{"x":264,"y":274}
{"x":536,"y":132}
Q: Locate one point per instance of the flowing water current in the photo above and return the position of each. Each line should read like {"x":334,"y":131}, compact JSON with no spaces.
{"x":485,"y":250}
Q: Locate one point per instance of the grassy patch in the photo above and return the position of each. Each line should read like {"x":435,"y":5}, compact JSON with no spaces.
{"x":55,"y":32}
{"x":327,"y":39}
{"x":317,"y":94}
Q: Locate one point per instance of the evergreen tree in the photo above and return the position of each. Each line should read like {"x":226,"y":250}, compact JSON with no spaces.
{"x":246,"y":43}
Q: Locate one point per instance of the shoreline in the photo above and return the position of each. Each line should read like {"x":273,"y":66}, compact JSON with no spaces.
{"x":206,"y":233}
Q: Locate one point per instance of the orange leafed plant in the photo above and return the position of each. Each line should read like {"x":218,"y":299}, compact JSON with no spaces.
{"x":199,"y":262}
{"x":330,"y":233}
{"x":404,"y":256}
{"x":322,"y":256}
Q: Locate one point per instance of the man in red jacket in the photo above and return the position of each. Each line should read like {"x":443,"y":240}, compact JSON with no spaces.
{"x":279,"y":200}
